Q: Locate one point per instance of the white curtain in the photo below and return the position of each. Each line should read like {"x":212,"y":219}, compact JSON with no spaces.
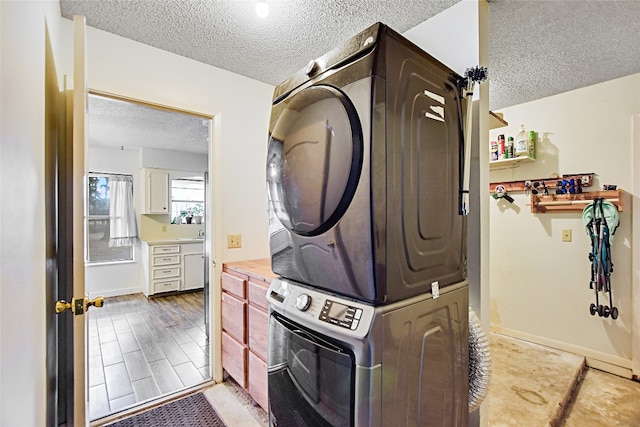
{"x":122,"y":216}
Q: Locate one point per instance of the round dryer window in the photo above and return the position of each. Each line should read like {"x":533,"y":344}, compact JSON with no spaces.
{"x":314,"y":159}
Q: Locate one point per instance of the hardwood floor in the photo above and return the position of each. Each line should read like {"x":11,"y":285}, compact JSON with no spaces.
{"x":141,"y":348}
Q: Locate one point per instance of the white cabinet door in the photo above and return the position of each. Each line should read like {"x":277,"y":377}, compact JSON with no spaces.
{"x":193,"y":271}
{"x":157,"y":192}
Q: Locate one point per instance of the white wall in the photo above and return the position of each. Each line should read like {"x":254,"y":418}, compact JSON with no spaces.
{"x":540,"y":285}
{"x":461,"y":49}
{"x":174,"y":160}
{"x":22,"y":227}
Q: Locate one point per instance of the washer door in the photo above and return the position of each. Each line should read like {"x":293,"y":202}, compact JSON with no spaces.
{"x":314,"y":159}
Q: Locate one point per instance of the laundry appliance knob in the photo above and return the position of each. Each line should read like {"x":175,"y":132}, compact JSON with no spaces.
{"x":303,"y":302}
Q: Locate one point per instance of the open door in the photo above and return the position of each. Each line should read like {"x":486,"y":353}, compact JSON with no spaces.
{"x":71,"y":194}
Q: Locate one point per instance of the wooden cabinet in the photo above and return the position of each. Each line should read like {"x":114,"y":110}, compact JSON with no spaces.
{"x":171,"y":267}
{"x":155,"y":191}
{"x":245,"y":325}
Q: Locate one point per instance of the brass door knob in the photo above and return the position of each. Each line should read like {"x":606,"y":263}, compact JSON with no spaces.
{"x":62,"y":305}
{"x":96,"y":302}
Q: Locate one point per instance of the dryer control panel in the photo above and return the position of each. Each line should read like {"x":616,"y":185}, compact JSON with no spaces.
{"x":340,"y":314}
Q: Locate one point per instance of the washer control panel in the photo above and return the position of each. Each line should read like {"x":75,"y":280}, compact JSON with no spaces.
{"x":340,"y":314}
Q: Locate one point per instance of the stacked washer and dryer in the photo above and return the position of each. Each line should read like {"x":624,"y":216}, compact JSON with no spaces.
{"x":368,"y":321}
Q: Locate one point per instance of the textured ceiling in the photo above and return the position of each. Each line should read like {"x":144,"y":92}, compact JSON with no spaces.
{"x":537,"y":48}
{"x":542,"y":48}
{"x":113,"y":122}
{"x":228,"y":34}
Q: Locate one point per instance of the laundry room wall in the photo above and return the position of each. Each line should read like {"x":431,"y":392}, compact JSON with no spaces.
{"x":539,"y":284}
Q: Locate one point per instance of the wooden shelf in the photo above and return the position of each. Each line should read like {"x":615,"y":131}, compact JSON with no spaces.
{"x":496,"y":121}
{"x":573,"y":202}
{"x":509,"y":163}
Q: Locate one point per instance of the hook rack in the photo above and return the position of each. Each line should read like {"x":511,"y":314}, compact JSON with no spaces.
{"x":573,"y":202}
{"x":586,"y":180}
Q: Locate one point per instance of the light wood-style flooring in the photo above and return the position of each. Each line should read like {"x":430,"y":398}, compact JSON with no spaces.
{"x":140,"y":349}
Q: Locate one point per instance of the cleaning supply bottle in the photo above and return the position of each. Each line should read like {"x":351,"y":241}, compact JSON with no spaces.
{"x":521,"y":143}
{"x":531,"y":144}
{"x":494,"y":151}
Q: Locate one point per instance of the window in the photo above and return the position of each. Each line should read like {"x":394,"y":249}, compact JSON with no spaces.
{"x":187,"y":198}
{"x":101,"y":219}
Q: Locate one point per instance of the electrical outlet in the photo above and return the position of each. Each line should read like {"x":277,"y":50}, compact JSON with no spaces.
{"x":234,"y":241}
{"x":566,"y":235}
{"x":164,"y":228}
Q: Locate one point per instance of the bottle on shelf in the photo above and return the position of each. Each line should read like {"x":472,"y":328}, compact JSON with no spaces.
{"x":511,"y":147}
{"x":522,"y":143}
{"x":494,"y":151}
{"x":532,"y":141}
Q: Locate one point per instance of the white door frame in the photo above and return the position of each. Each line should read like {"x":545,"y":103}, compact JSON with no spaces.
{"x":635,"y":246}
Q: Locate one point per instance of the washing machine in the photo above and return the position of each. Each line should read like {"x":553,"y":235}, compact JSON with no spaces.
{"x":338,"y":362}
{"x":364,"y":171}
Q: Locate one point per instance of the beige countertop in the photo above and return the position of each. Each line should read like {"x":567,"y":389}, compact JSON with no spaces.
{"x":259,"y":268}
{"x":173,"y":241}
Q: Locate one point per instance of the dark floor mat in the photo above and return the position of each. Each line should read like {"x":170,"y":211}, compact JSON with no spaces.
{"x":192,"y":411}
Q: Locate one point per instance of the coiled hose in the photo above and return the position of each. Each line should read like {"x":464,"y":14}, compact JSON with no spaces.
{"x":479,"y":363}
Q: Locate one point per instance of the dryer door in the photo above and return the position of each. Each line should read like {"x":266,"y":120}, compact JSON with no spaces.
{"x":314,"y":159}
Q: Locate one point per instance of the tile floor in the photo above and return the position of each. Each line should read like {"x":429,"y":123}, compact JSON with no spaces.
{"x":140,"y":349}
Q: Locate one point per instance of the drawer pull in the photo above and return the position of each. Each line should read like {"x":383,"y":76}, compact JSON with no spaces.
{"x":166,"y":271}
{"x":166,"y":259}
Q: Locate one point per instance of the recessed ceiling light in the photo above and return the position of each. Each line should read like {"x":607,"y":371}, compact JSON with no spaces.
{"x":262,"y":9}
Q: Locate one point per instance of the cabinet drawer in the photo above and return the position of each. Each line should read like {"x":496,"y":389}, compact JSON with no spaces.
{"x":234,"y":359}
{"x":258,"y":380}
{"x":234,"y":317}
{"x":166,"y":249}
{"x":162,"y":273}
{"x":233,"y":284}
{"x":166,"y":286}
{"x":258,"y":294}
{"x":166,"y":260}
{"x":258,"y":331}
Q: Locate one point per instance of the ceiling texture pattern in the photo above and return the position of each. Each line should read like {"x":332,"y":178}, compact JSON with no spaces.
{"x":537,"y":48}
{"x":116,"y":123}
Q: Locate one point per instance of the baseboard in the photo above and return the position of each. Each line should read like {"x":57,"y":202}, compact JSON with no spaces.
{"x":595,"y":359}
{"x":116,"y":292}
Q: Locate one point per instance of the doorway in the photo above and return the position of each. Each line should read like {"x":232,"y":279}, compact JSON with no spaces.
{"x":145,"y":345}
